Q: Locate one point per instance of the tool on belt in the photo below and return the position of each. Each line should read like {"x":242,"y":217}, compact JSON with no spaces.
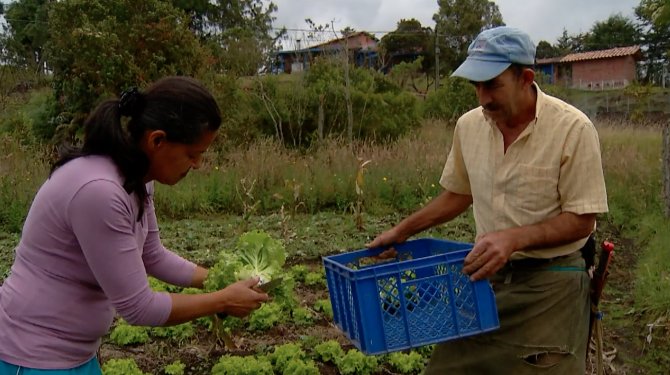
{"x":598,"y":274}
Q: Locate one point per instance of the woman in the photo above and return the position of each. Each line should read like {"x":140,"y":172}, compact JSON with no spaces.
{"x":90,"y":238}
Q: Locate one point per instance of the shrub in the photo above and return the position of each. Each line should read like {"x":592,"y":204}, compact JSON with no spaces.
{"x":289,"y":109}
{"x":451,"y":100}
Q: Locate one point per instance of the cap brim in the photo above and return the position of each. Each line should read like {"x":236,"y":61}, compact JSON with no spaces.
{"x":480,"y":70}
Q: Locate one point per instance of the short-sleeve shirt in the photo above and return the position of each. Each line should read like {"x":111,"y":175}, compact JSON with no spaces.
{"x":554,"y":166}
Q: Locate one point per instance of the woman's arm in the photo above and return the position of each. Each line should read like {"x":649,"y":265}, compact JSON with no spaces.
{"x":199,"y":276}
{"x":162,"y":263}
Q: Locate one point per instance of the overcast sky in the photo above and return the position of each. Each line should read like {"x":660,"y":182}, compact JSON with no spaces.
{"x":542,"y":19}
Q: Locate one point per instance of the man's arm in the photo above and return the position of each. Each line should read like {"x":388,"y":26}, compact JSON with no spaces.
{"x":492,"y":250}
{"x":441,"y":209}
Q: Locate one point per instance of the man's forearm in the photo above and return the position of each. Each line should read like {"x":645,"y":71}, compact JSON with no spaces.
{"x":492,"y":250}
{"x":441,"y":209}
{"x":562,"y":229}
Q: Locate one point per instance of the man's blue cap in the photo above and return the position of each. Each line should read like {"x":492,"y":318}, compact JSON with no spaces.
{"x":493,"y":51}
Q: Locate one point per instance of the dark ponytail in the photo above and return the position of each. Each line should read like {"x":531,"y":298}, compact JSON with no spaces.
{"x":180,"y":106}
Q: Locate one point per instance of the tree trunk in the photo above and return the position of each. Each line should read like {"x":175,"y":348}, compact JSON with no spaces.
{"x":347,"y":98}
{"x":666,"y":168}
{"x":322,"y":116}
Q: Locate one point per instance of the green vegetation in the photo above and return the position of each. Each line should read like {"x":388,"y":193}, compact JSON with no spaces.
{"x":288,"y":162}
{"x":126,"y":366}
{"x":406,"y":363}
{"x":305,"y":200}
{"x":125,"y":334}
{"x":175,"y":368}
{"x":237,"y":365}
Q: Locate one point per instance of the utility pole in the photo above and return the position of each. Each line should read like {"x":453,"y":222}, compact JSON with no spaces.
{"x":437,"y":61}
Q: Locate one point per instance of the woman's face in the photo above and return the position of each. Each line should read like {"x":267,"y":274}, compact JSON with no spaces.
{"x":169,"y":162}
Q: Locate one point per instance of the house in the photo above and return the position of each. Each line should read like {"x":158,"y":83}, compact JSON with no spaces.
{"x":361,"y":47}
{"x":593,"y":70}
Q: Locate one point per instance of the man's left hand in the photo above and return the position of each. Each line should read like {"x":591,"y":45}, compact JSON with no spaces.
{"x":489,"y":254}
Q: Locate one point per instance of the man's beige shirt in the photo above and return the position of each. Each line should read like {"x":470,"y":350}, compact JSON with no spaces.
{"x":554,"y":166}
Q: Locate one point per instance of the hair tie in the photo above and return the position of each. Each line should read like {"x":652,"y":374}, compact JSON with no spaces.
{"x":131,"y":102}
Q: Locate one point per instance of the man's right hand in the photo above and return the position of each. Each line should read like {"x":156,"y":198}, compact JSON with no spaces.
{"x":241,"y":298}
{"x":387,"y":238}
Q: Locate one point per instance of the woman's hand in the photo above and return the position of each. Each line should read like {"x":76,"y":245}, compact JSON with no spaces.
{"x":241,"y":298}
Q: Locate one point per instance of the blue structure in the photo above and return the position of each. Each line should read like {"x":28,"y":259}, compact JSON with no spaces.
{"x":361,"y":48}
{"x":548,"y":68}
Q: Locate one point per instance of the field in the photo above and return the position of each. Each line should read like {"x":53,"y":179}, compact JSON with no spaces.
{"x":310,"y":203}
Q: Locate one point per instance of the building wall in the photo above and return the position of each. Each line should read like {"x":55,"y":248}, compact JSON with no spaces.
{"x":354,"y":42}
{"x":362,"y":52}
{"x":604,"y":73}
{"x":548,"y":73}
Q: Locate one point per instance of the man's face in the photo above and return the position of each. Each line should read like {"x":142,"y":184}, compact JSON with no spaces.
{"x":500,"y":96}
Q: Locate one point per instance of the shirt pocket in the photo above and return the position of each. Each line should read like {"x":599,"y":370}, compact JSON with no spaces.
{"x":534,"y":188}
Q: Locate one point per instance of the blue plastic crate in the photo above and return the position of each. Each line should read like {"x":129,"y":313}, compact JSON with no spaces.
{"x":417,"y":299}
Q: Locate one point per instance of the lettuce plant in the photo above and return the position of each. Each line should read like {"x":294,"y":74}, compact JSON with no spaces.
{"x":236,"y":365}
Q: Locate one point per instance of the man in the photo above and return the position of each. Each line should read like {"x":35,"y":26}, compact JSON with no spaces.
{"x":530,"y":166}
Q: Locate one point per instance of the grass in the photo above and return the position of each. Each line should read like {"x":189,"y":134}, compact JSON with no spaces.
{"x":23,"y":168}
{"x":263,"y":177}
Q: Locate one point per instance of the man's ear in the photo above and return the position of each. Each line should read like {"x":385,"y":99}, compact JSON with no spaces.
{"x":528,"y":76}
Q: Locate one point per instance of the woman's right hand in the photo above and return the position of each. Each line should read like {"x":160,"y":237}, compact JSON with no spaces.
{"x":241,"y":298}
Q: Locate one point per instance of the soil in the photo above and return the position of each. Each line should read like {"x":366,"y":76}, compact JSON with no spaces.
{"x":203,"y":351}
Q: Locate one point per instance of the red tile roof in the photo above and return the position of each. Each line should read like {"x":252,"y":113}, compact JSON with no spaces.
{"x":593,"y":55}
{"x":548,"y":60}
{"x":602,"y":54}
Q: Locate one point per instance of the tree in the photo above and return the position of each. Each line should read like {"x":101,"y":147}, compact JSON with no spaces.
{"x":545,"y":50}
{"x":654,"y":23}
{"x":347,"y":31}
{"x":616,"y":31}
{"x":198,"y":11}
{"x":407,"y":42}
{"x":458,"y":22}
{"x":656,"y":10}
{"x":567,"y":44}
{"x":655,"y":16}
{"x":239,"y":32}
{"x":26,"y":33}
{"x":100,"y":47}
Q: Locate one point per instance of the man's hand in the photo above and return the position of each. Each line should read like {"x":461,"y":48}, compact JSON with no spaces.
{"x":490,"y":253}
{"x":390,"y":253}
{"x":387,"y":238}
